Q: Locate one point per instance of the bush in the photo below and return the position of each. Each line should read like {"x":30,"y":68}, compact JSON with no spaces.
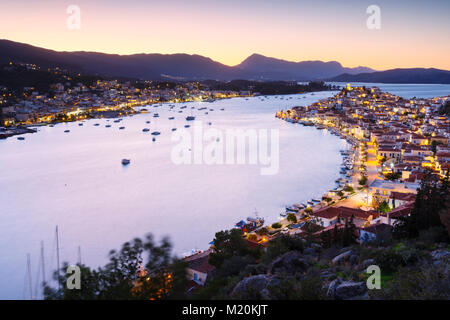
{"x":252,"y":237}
{"x":349,"y":189}
{"x":276,"y":225}
{"x":292,"y":218}
{"x":425,"y":283}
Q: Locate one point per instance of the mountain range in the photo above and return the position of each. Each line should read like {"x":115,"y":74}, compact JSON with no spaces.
{"x":195,"y":67}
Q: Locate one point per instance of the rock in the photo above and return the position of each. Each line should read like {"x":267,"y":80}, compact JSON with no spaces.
{"x":290,"y":263}
{"x":332,"y":287}
{"x":353,"y":259}
{"x":309,"y":251}
{"x":367,"y":263}
{"x":350,"y":290}
{"x":440,"y":254}
{"x":341,"y":257}
{"x":248,"y":288}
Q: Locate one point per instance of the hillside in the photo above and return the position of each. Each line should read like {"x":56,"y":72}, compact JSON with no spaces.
{"x":170,"y":66}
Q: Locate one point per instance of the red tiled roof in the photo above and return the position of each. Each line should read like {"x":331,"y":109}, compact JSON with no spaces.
{"x":401,"y":211}
{"x":377,"y":227}
{"x":344,"y":212}
{"x":199,"y":262}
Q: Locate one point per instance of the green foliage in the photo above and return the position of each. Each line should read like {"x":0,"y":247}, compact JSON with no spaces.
{"x":431,"y":199}
{"x":227,"y":244}
{"x":363,"y":181}
{"x":393,"y":176}
{"x":262,"y":231}
{"x":281,"y":245}
{"x":423,"y":283}
{"x":384,"y":207}
{"x":310,"y":288}
{"x":349,"y":189}
{"x":127,"y":275}
{"x":292,"y":218}
{"x":276,"y":225}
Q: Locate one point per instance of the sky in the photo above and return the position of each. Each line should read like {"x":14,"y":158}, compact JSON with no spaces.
{"x":411,"y":34}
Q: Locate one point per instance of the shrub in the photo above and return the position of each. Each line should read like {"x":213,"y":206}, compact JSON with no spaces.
{"x":276,"y":225}
{"x":292,"y":218}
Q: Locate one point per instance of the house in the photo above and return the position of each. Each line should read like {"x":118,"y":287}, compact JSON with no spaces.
{"x":198,"y":268}
{"x":373,"y":231}
{"x":330,"y":215}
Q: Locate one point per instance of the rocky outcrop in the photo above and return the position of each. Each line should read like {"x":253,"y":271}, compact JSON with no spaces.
{"x":291,"y":263}
{"x":253,"y":287}
{"x":342,"y":257}
{"x":440,"y":256}
{"x":348,"y":290}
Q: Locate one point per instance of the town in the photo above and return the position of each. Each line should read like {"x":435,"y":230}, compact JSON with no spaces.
{"x":79,"y":97}
{"x":394,"y":143}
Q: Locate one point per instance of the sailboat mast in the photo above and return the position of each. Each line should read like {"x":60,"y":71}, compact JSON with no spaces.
{"x":57,"y":256}
{"x":79,"y":255}
{"x":29,"y":276}
{"x":43,"y":261}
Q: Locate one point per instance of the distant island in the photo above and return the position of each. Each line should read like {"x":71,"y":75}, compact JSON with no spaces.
{"x":415,"y":75}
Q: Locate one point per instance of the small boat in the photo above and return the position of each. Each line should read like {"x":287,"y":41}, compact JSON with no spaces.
{"x":156,"y":133}
{"x":183,"y":107}
{"x":155,"y":115}
{"x":187,"y":126}
{"x":153,"y":139}
{"x":206,"y":112}
{"x":173,"y":129}
{"x":121,"y":128}
{"x":292,"y":209}
{"x":66,"y":131}
{"x":147,"y":121}
{"x":51,"y":125}
{"x":222,"y":109}
{"x":20,"y":138}
{"x":180,"y":111}
{"x":117,"y":121}
{"x":125,"y":161}
{"x":108,"y":126}
{"x":190,"y":118}
{"x":80,"y":124}
{"x":209,"y":123}
{"x":310,"y":203}
{"x":171,"y":118}
{"x":283,"y":214}
{"x":97,"y":124}
{"x":145,"y":130}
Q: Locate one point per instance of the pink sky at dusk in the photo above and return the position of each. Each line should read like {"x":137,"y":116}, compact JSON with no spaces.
{"x":416,"y":35}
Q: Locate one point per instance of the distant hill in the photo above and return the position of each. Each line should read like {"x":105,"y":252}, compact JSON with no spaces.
{"x":272,"y":68}
{"x":171,"y":66}
{"x":414,"y":75}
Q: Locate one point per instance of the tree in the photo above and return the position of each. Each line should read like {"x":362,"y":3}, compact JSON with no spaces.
{"x":227,"y":244}
{"x":431,"y":199}
{"x":384,"y":207}
{"x":276,"y":225}
{"x":127,"y":276}
{"x":292,"y":218}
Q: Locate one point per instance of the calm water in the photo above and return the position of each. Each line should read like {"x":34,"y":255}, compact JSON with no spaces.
{"x":76,"y":181}
{"x":406,"y":90}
